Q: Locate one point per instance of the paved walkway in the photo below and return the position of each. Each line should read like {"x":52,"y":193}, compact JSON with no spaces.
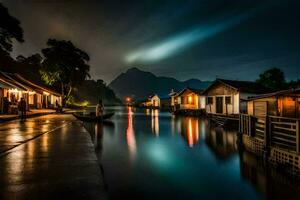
{"x":49,"y":157}
{"x":31,"y":113}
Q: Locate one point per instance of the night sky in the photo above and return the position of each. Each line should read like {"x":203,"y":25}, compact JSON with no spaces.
{"x":184,"y":39}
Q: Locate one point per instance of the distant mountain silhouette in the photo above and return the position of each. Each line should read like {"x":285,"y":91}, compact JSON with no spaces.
{"x":140,"y":84}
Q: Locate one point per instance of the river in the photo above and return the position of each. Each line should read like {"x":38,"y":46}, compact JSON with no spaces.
{"x":148,"y":154}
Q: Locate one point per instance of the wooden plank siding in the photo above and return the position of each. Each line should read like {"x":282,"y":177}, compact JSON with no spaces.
{"x":275,"y":106}
{"x":260,"y":108}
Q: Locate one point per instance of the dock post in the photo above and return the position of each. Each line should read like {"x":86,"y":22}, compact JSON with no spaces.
{"x":297,"y":135}
{"x":267,"y":137}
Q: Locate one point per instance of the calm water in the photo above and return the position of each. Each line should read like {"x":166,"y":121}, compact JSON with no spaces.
{"x":153,"y":155}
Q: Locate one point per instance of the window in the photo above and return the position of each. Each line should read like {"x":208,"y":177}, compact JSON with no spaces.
{"x":227,"y":100}
{"x":209,"y":100}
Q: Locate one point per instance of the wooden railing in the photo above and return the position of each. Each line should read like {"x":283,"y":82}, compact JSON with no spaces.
{"x":275,"y":131}
{"x":284,"y":132}
{"x":253,"y":126}
{"x":245,"y":124}
{"x":260,"y":127}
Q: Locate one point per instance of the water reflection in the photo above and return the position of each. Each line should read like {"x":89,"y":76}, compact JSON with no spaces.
{"x":221,"y":141}
{"x":155,"y":121}
{"x":267,"y":180}
{"x":190,"y":130}
{"x":130,"y":137}
{"x":164,"y":167}
{"x":98,"y":137}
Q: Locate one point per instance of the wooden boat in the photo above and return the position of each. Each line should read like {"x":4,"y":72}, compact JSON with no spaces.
{"x":93,"y":118}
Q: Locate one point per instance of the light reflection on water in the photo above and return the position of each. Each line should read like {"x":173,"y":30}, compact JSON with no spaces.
{"x":147,"y":154}
{"x":130,"y":137}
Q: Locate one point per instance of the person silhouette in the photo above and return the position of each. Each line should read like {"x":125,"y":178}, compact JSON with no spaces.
{"x":99,"y":109}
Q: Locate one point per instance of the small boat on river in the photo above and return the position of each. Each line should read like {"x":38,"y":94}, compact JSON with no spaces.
{"x":92,"y":117}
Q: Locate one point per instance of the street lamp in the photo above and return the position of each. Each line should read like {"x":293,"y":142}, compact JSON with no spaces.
{"x":128,"y":101}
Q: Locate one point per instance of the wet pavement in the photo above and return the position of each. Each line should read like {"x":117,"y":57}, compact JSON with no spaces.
{"x":17,"y":132}
{"x":49,"y":157}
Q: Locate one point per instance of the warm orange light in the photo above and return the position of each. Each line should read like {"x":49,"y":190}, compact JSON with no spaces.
{"x":155,"y":122}
{"x":190,"y":99}
{"x":128,"y":99}
{"x":130,"y":137}
{"x":190,"y":131}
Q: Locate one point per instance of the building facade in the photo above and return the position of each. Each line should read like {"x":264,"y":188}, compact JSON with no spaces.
{"x":227,"y":97}
{"x":13,"y":87}
{"x":188,"y":99}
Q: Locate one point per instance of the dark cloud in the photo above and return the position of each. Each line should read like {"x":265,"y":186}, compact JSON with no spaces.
{"x":110,"y":30}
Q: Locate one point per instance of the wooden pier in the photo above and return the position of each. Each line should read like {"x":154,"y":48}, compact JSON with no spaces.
{"x":275,"y":138}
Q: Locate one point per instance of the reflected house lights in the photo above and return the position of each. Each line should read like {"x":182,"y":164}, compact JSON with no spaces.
{"x":190,"y":130}
{"x":130,"y":137}
{"x":155,"y":121}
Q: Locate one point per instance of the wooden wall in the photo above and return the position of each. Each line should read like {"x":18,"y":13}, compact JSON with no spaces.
{"x":220,"y":89}
{"x":262,"y":107}
{"x":284,"y":106}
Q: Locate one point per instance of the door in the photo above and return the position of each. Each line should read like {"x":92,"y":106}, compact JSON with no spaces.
{"x":260,"y":108}
{"x":219,"y":104}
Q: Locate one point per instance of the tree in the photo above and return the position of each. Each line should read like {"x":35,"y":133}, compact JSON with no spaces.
{"x":64,"y":64}
{"x":9,"y":29}
{"x":29,"y":67}
{"x":273,"y":78}
{"x":91,"y":91}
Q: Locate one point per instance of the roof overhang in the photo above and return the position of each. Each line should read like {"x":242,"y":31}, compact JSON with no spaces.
{"x":218,"y":81}
{"x":275,"y":94}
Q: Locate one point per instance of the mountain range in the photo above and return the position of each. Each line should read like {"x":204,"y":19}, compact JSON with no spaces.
{"x":140,"y":84}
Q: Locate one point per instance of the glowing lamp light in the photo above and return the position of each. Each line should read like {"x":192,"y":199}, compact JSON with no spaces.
{"x":13,"y":90}
{"x":128,"y":99}
{"x":190,"y":99}
{"x":85,"y":103}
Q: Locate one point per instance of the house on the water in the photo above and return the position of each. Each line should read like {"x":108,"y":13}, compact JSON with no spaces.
{"x":187,"y":99}
{"x":285,"y":103}
{"x":271,"y":127}
{"x":228,"y":97}
{"x":153,"y":101}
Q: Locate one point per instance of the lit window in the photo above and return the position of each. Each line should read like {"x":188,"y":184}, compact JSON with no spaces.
{"x":190,"y":99}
